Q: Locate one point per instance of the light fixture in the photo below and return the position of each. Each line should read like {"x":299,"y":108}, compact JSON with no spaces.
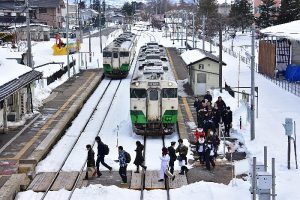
{"x":137,"y":84}
{"x":170,"y":84}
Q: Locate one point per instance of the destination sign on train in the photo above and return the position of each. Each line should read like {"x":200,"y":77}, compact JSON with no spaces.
{"x":153,"y":83}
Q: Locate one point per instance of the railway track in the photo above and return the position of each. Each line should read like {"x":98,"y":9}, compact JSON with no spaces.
{"x":82,"y":131}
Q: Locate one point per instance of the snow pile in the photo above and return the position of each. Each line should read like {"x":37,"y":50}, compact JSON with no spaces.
{"x":192,"y":56}
{"x":290,"y":30}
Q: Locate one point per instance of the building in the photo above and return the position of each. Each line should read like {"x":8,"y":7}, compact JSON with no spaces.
{"x":48,"y":12}
{"x":38,"y":32}
{"x":203,"y":68}
{"x":16,"y":89}
{"x":73,"y":15}
{"x":12,"y":13}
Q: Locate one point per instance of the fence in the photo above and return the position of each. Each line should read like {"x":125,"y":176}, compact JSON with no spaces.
{"x":59,"y":73}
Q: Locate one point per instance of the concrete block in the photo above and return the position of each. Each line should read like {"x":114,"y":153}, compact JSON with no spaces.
{"x":14,"y":184}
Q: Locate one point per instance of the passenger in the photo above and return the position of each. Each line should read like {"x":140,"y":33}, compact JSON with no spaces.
{"x":197,"y":104}
{"x":102,"y":151}
{"x":215,"y":142}
{"x":90,"y":163}
{"x":139,"y":158}
{"x":209,"y":154}
{"x":182,"y":150}
{"x":123,"y":165}
{"x":198,"y":133}
{"x":173,"y":157}
{"x":227,"y":119}
{"x":200,"y":146}
{"x":165,"y":158}
{"x":208,"y":96}
{"x":221,"y":105}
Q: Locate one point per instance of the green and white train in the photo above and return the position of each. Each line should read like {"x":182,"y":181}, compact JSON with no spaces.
{"x":118,"y":55}
{"x":153,"y":93}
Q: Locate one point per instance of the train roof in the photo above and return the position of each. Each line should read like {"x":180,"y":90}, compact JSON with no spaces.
{"x":153,"y":64}
{"x":123,"y":41}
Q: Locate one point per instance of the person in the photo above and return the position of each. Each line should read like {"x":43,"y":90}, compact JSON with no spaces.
{"x":139,"y":158}
{"x":200,"y":146}
{"x":198,"y":133}
{"x":197,"y":104}
{"x":215,"y":142}
{"x":208,"y":96}
{"x":201,"y":114}
{"x":165,"y":158}
{"x":182,"y":150}
{"x":123,"y":165}
{"x":90,"y":162}
{"x":209,"y":154}
{"x":100,"y":156}
{"x":221,"y":105}
{"x":173,"y":157}
{"x":227,"y":119}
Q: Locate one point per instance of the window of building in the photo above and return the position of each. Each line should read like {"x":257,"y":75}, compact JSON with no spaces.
{"x":42,"y":10}
{"x":201,"y":66}
{"x":138,"y":93}
{"x":169,"y":93}
{"x":201,"y":78}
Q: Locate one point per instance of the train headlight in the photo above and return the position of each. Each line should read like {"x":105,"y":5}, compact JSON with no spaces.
{"x":170,"y":84}
{"x":137,"y":84}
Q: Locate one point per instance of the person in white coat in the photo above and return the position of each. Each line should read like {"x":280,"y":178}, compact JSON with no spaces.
{"x":165,"y":158}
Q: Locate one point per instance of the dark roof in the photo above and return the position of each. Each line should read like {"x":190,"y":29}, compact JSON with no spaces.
{"x":11,"y":5}
{"x":46,"y":3}
{"x":11,"y":20}
{"x":18,"y":83}
{"x":209,"y":56}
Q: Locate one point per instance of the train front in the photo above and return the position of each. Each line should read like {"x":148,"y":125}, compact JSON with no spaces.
{"x":153,"y":107}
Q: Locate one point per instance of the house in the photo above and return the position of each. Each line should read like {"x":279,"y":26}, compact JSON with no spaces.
{"x":73,"y":15}
{"x":38,"y":32}
{"x":203,"y":68}
{"x":16,"y":89}
{"x":12,"y":13}
{"x":48,"y":12}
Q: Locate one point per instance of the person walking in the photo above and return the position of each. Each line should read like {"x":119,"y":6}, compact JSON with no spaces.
{"x":123,"y":165}
{"x":200,"y":146}
{"x":102,"y":151}
{"x":227,"y":119}
{"x":173,"y":157}
{"x":209,"y":154}
{"x":208,"y":96}
{"x":139,"y":158}
{"x":165,"y":158}
{"x":90,"y":162}
{"x":182,"y":150}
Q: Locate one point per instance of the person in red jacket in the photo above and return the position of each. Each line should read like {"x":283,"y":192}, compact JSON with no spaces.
{"x":198,"y":132}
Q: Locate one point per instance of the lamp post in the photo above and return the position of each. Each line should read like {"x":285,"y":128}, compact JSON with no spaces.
{"x":252,"y":106}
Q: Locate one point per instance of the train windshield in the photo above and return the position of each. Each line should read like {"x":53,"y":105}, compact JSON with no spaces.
{"x":138,"y":93}
{"x":106,"y":54}
{"x":153,"y":94}
{"x":169,"y":93}
{"x":124,"y":54}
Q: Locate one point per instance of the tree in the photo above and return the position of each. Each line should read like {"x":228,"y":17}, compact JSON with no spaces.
{"x":81,"y":5}
{"x":267,"y":14}
{"x":289,"y":11}
{"x":127,"y":9}
{"x":240,"y":15}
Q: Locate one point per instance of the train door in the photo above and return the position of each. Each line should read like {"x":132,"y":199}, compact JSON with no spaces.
{"x":154,"y":105}
{"x":115,"y":59}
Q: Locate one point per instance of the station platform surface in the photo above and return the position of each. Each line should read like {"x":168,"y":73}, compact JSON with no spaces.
{"x":19,"y":143}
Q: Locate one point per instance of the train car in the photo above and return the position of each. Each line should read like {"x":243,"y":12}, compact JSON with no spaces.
{"x":153,"y":93}
{"x":118,"y":55}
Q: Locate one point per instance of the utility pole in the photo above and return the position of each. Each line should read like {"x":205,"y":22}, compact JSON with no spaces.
{"x":203,"y":32}
{"x":181,"y":29}
{"x":29,"y":53}
{"x":100,"y":30}
{"x":220,"y":57}
{"x":252,"y":106}
{"x":67,"y":32}
{"x":90,"y":37}
{"x":193,"y":30}
{"x":186,"y":30}
{"x":80,"y":22}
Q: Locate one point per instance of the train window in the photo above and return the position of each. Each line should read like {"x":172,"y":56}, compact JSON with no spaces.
{"x":138,"y":93}
{"x":106,"y":54}
{"x":1,"y":104}
{"x":169,"y":93}
{"x":124,"y":54}
{"x":153,"y":57}
{"x":153,"y":94}
{"x":115,"y":54}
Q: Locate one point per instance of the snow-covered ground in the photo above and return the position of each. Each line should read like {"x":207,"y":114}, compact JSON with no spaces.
{"x":274,"y":105}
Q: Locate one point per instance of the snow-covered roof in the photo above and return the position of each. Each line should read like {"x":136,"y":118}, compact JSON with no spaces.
{"x":10,"y":70}
{"x":289,"y":30}
{"x":192,"y":56}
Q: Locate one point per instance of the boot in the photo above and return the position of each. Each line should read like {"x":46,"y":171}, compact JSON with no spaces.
{"x":182,"y":171}
{"x":137,"y":170}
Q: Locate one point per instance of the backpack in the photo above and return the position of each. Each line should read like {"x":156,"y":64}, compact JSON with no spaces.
{"x":105,"y":149}
{"x":127,"y":157}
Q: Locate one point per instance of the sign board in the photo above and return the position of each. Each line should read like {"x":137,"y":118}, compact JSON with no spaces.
{"x":288,"y":126}
{"x":151,"y":84}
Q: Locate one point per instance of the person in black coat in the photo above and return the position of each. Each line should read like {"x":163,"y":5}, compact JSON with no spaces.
{"x":173,"y":157}
{"x":100,"y":156}
{"x":139,"y":158}
{"x":208,"y":96}
{"x":227,"y":119}
{"x":221,"y":104}
{"x":90,"y":159}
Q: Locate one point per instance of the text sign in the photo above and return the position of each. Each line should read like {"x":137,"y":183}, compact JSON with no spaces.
{"x":151,"y":84}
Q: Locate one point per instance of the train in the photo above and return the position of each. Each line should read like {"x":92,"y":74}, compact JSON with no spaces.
{"x":153,"y":93}
{"x":118,"y":55}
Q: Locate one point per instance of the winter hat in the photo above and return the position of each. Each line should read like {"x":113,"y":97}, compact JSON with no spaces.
{"x":173,"y":143}
{"x":164,"y":150}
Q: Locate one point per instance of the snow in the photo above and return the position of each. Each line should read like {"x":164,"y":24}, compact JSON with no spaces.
{"x":192,"y":56}
{"x":10,"y":70}
{"x":274,"y":105}
{"x":289,"y":30}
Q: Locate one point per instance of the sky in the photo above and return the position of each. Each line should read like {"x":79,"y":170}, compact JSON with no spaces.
{"x":274,"y":104}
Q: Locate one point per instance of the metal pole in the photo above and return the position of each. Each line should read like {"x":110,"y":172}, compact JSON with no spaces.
{"x":220,"y":58}
{"x":90,"y":37}
{"x":254,"y":179}
{"x":29,"y":53}
{"x":100,"y":29}
{"x":186,"y":27}
{"x":193,"y":30}
{"x":289,"y":152}
{"x":80,"y":23}
{"x":181,"y":31}
{"x":239,"y":71}
{"x":252,"y":127}
{"x":295,"y":145}
{"x":273,"y":179}
{"x":203,"y":33}
{"x":5,"y":116}
{"x":265,"y":158}
{"x":67,"y":45}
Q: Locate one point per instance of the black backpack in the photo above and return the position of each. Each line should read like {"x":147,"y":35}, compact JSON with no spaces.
{"x":127,"y":157}
{"x":105,"y":149}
